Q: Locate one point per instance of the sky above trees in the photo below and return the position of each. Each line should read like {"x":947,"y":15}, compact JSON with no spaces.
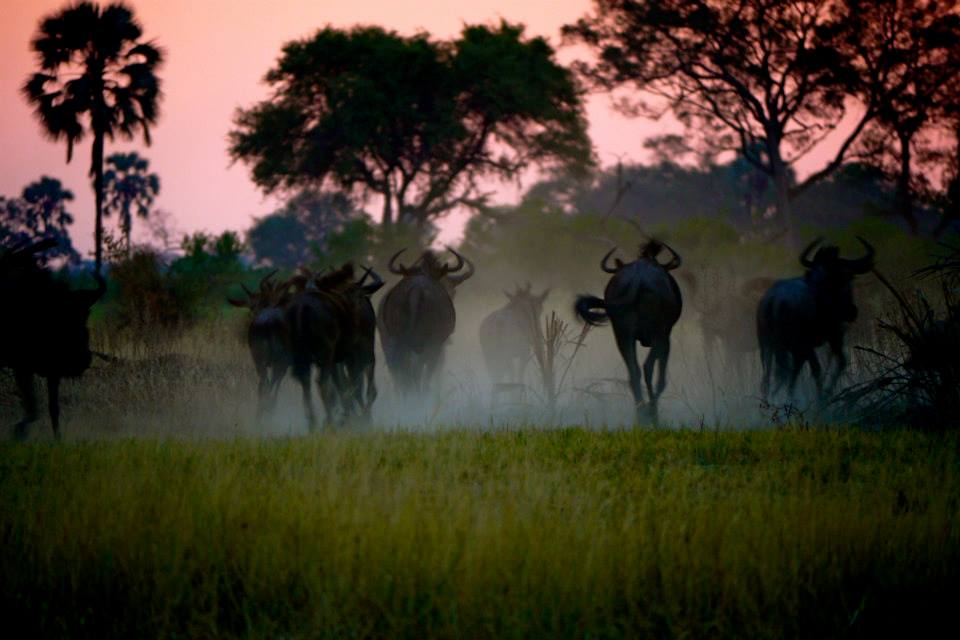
{"x":217,"y":52}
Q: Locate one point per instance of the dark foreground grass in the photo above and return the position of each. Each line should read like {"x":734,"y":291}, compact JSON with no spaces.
{"x":464,"y":534}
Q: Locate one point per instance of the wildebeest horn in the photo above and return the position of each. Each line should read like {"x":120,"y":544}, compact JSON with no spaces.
{"x":805,"y":256}
{"x":374,"y":286}
{"x":675,"y":261}
{"x":864,"y":264}
{"x":603,"y":263}
{"x":265,"y":280}
{"x":466,"y":275}
{"x":459,"y":264}
{"x":249,"y":293}
{"x":399,"y":270}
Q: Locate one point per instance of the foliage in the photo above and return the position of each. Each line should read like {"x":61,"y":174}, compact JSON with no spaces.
{"x":292,"y":235}
{"x":534,"y":533}
{"x":129,"y":188}
{"x":39,"y":212}
{"x":770,"y":79}
{"x":95,"y":74}
{"x":418,"y":122}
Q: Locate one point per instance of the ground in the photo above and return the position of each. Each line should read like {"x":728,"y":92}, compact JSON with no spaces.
{"x":532,"y":532}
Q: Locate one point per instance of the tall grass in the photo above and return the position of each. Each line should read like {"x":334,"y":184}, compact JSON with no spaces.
{"x":511,"y":534}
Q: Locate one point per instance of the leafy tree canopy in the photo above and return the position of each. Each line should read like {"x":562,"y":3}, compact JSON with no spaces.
{"x":415,"y":121}
{"x":39,"y":212}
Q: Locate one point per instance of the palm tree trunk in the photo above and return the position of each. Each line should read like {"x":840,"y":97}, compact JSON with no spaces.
{"x":97,"y":169}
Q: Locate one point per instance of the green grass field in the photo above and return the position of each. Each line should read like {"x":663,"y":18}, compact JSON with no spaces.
{"x":465,"y":534}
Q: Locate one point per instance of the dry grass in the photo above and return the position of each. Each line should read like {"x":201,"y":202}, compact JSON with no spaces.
{"x":527,"y":533}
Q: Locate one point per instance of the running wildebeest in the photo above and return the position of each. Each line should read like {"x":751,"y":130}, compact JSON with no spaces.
{"x":643,"y":302}
{"x":417,"y":317}
{"x":332,"y":327}
{"x":507,"y":334}
{"x":43,"y":329}
{"x":797,"y":315}
{"x":268,"y":336}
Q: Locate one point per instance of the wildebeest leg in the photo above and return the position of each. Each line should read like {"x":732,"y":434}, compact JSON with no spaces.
{"x":53,"y":402}
{"x":660,"y":354}
{"x":302,"y":374}
{"x":327,"y":381}
{"x":24,"y":381}
{"x":371,"y":394}
{"x":794,"y":372}
{"x":816,"y":372}
{"x":263,"y":390}
{"x":627,"y":345}
{"x":279,"y":372}
{"x":836,"y":348}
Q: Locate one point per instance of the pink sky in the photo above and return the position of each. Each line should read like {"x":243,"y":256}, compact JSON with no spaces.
{"x":217,"y":53}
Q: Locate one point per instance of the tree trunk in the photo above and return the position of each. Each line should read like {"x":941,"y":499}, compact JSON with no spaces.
{"x":97,"y":169}
{"x":387,"y":220}
{"x":904,"y":196}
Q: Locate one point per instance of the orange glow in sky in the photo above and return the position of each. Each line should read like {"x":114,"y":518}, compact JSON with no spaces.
{"x":217,"y":53}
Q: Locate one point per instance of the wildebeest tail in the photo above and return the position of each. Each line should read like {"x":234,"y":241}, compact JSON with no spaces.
{"x":586,"y":308}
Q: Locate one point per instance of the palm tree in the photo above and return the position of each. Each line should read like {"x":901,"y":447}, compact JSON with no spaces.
{"x":128,"y":187}
{"x":95,"y":75}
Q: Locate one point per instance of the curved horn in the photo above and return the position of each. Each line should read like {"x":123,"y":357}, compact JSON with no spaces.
{"x":394,"y":268}
{"x":865,"y":263}
{"x":466,"y":274}
{"x":805,"y":256}
{"x":265,"y":280}
{"x":374,"y":286}
{"x":249,"y":293}
{"x":603,"y":263}
{"x":675,"y":261}
{"x":460,"y":261}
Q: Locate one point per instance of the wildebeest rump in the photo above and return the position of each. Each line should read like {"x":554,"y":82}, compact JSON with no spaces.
{"x":43,"y":329}
{"x":268,"y":336}
{"x":507,"y":334}
{"x":797,"y":315}
{"x":417,"y":317}
{"x":643,"y":302}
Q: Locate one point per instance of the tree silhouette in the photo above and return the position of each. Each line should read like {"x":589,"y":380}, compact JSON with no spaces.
{"x":415,"y":121}
{"x":39,"y":212}
{"x":96,"y":75}
{"x":128,"y":188}
{"x":765,"y":77}
{"x":909,"y":49}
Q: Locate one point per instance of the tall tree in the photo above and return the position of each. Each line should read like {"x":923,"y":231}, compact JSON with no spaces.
{"x":764,"y":77}
{"x":911,"y":49}
{"x":129,"y":188}
{"x":98,"y":76}
{"x":412,"y":120}
{"x":39,"y":212}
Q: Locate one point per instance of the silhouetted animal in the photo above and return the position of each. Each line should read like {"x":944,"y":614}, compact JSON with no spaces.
{"x":507,"y":334}
{"x":43,"y":328}
{"x":797,"y":315}
{"x":417,"y":318}
{"x":268,"y":336}
{"x":643,"y":302}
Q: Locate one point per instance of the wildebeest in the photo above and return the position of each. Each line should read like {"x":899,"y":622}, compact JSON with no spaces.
{"x":643,"y":302}
{"x":507,"y":334}
{"x":797,"y":315}
{"x":43,"y":329}
{"x":417,"y":317}
{"x":268,"y":336}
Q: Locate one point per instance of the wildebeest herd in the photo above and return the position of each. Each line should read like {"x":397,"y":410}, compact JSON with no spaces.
{"x":325,"y":321}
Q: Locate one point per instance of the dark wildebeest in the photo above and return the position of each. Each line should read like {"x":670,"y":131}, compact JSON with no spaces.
{"x":798,"y":315}
{"x":268,"y":336}
{"x":507,"y":334}
{"x":643,"y":302}
{"x":417,"y":318}
{"x":43,"y":329}
{"x":356,"y":356}
{"x":332,"y":328}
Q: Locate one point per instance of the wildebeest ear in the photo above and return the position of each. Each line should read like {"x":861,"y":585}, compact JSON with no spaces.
{"x":238,"y":303}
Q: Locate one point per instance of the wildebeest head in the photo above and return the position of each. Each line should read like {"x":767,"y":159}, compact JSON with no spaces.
{"x":831,"y":277}
{"x":525,"y":300}
{"x":431,"y":266}
{"x":650,"y":250}
{"x":270,"y":295}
